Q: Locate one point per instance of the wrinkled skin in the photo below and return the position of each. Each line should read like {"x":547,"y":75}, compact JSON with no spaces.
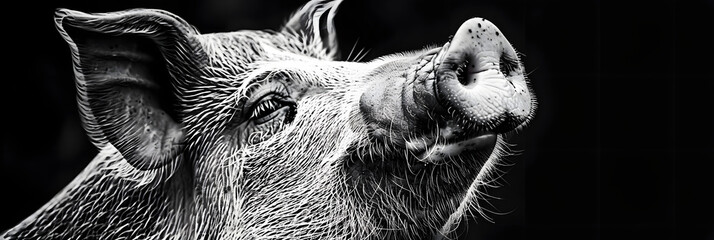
{"x":262,"y":134}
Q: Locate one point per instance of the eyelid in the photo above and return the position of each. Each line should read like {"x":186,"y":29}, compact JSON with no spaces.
{"x":265,"y":77}
{"x":266,"y":89}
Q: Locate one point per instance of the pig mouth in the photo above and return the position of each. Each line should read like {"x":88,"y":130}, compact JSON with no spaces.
{"x":452,"y":140}
{"x":446,"y":145}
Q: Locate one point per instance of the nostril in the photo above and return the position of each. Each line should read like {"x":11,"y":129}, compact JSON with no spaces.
{"x":461,"y":73}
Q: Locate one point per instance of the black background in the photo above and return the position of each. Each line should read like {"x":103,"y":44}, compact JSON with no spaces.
{"x":622,"y":146}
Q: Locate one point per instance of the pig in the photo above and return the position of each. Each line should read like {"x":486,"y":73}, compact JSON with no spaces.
{"x":266,"y":135}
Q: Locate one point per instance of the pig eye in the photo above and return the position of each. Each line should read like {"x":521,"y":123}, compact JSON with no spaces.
{"x":273,"y":109}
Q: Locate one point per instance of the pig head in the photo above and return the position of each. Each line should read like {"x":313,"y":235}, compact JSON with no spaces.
{"x":265,"y":135}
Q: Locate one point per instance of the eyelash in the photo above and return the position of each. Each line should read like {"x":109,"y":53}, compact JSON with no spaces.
{"x":264,"y":108}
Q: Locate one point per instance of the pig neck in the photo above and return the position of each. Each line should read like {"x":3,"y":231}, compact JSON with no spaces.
{"x":107,"y":200}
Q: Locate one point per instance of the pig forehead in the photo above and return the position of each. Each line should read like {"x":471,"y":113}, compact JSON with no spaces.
{"x":243,"y":47}
{"x":245,"y":57}
{"x":309,"y":71}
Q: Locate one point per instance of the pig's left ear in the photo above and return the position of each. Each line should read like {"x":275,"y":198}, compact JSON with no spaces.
{"x":316,"y":19}
{"x":128,"y":67}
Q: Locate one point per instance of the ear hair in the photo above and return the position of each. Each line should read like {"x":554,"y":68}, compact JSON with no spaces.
{"x":312,"y":20}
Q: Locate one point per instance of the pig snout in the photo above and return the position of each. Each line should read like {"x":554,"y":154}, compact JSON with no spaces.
{"x":467,"y":91}
{"x":481,"y":79}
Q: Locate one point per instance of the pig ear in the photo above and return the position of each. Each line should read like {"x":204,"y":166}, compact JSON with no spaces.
{"x":126,"y":66}
{"x":316,"y":19}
